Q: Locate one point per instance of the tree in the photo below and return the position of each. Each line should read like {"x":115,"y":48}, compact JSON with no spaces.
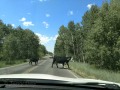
{"x":97,"y":40}
{"x":18,"y":43}
{"x":42,"y":51}
{"x":101,"y":41}
{"x":71,"y":27}
{"x":4,"y":31}
{"x":10,"y":48}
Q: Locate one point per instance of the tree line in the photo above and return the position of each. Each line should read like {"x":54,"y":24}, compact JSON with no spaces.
{"x":95,"y":40}
{"x":18,"y":43}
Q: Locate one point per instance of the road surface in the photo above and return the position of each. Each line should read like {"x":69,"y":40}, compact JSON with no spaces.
{"x":44,"y":67}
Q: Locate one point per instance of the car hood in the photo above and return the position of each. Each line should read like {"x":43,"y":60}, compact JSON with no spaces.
{"x":52,"y":77}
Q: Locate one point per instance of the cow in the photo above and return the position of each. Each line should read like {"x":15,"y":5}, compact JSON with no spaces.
{"x":61,"y":60}
{"x":35,"y":60}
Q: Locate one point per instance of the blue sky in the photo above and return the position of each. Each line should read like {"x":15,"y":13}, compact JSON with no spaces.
{"x":44,"y":17}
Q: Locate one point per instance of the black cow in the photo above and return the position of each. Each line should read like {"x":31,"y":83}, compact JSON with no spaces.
{"x":61,"y":60}
{"x":35,"y":60}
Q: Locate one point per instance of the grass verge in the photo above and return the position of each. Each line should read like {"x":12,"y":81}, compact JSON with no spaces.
{"x":5,"y":64}
{"x":89,"y":71}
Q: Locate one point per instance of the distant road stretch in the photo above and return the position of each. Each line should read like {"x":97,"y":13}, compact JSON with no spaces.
{"x":43,"y":67}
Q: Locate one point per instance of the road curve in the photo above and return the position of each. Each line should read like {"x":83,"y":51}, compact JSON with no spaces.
{"x":44,"y":67}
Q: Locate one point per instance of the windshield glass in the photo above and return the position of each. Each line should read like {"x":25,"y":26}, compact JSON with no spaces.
{"x":66,"y":38}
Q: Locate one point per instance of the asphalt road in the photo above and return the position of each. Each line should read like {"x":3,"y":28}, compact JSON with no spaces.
{"x":44,"y":67}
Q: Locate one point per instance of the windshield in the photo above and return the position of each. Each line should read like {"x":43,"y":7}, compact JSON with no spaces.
{"x":66,"y":38}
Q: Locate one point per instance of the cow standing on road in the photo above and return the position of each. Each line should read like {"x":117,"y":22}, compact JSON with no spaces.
{"x":61,"y":60}
{"x":35,"y":60}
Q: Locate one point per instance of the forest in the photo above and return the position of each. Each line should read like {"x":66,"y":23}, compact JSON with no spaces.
{"x":95,"y":40}
{"x":19,"y":44}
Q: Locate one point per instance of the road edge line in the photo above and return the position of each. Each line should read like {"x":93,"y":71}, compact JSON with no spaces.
{"x":73,"y":74}
{"x":13,"y":66}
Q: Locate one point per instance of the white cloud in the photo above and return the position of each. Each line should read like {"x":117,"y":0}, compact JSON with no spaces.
{"x":13,"y":25}
{"x":70,"y":12}
{"x":42,"y":0}
{"x":28,"y":23}
{"x":45,"y":24}
{"x":32,"y":1}
{"x":49,"y":42}
{"x":89,"y":6}
{"x":45,"y":39}
{"x":47,"y":15}
{"x":22,"y":19}
{"x":3,"y":15}
{"x":55,"y":37}
{"x":28,"y":13}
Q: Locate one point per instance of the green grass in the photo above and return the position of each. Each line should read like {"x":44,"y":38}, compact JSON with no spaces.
{"x":5,"y":64}
{"x":89,"y":71}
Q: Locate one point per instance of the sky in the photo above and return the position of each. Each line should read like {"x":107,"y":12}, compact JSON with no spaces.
{"x":44,"y":17}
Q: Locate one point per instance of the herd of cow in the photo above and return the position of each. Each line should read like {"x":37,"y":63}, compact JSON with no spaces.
{"x":56,"y":60}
